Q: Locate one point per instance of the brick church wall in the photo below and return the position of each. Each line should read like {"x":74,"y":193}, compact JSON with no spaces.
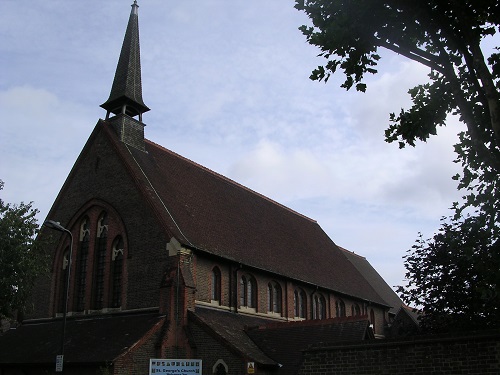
{"x":467,"y":354}
{"x":99,"y":174}
{"x":211,"y":350}
{"x":204,"y":266}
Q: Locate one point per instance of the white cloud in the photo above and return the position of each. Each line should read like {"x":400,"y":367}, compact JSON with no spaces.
{"x":284,"y":173}
{"x":228,"y":86}
{"x":42,"y":136}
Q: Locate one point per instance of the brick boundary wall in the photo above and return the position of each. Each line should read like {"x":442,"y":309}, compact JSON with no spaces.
{"x":475,"y":353}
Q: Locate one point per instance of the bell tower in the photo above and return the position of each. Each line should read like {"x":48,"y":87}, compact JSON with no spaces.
{"x":125,"y":100}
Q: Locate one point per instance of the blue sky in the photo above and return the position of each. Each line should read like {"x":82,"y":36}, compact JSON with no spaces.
{"x":227,"y":83}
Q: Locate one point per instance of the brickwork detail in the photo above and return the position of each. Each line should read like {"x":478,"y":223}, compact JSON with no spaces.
{"x":212,"y":350}
{"x":204,"y":267}
{"x":474,"y":354}
{"x":146,"y":256}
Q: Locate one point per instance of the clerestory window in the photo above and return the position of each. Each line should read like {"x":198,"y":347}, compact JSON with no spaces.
{"x":299,"y":303}
{"x":318,"y":306}
{"x":216,"y":285}
{"x":340,"y":308}
{"x":248,"y":291}
{"x":274,"y":297}
{"x":355,"y":310}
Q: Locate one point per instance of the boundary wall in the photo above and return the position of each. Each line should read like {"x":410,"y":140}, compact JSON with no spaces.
{"x":473,"y":353}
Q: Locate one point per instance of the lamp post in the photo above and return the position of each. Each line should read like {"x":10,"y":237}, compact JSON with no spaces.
{"x":57,"y":226}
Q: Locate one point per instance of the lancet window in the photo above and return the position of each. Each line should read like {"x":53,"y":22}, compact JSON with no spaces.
{"x":98,"y":269}
{"x":274,"y":297}
{"x":299,"y":302}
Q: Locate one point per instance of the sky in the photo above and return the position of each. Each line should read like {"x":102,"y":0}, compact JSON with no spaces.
{"x":228,"y":86}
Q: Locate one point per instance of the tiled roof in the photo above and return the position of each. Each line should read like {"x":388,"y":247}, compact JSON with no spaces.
{"x":88,"y":340}
{"x":230,"y":328}
{"x":285,"y":342}
{"x":375,"y":280}
{"x":413,"y":313}
{"x":211,"y":213}
{"x":280,"y":344}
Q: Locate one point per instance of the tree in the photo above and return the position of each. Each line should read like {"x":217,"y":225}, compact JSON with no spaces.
{"x":445,"y":36}
{"x":21,"y":256}
{"x":455,"y":277}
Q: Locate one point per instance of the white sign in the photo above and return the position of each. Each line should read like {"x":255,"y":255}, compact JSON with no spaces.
{"x":250,"y":367}
{"x":59,"y":362}
{"x":175,"y":366}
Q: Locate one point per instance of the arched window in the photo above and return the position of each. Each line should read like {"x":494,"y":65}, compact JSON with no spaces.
{"x":100,"y":262}
{"x":274,"y":297}
{"x":318,"y":306}
{"x":216,"y":286}
{"x":355,"y":310}
{"x":62,"y":280}
{"x":248,"y":291}
{"x":117,"y":272}
{"x":220,"y":368}
{"x":299,"y":303}
{"x":340,"y":308}
{"x":81,"y":265}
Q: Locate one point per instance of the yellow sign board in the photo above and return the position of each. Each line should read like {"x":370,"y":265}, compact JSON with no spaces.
{"x":250,"y":367}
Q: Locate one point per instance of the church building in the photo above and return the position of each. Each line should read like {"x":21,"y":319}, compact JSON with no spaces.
{"x":154,"y":256}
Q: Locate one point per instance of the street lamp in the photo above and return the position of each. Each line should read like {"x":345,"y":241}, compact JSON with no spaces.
{"x":57,"y":226}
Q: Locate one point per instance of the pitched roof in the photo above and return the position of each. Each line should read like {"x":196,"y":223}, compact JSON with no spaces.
{"x":285,"y":342}
{"x":413,"y":313}
{"x":230,"y":328}
{"x":211,"y":213}
{"x":100,"y":339}
{"x":375,"y":280}
{"x":279,"y":344}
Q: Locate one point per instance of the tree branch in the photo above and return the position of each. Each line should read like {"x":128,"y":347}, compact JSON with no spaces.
{"x":412,"y":54}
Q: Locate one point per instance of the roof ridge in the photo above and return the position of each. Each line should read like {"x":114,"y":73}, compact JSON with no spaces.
{"x":350,"y":252}
{"x":308,"y":322}
{"x":228,"y":180}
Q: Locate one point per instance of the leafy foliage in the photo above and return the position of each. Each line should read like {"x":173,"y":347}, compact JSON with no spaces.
{"x":21,"y":258}
{"x":455,"y":276}
{"x":445,"y":36}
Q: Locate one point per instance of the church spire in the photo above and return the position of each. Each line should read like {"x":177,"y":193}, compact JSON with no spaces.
{"x":126,"y":92}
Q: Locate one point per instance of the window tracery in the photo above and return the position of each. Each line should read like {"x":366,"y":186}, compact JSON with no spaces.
{"x":97,"y":274}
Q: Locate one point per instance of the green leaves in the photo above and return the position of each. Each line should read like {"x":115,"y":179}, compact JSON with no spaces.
{"x":21,"y":259}
{"x":453,"y":277}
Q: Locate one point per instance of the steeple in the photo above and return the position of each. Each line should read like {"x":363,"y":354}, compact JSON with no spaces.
{"x":125,"y":99}
{"x":126,"y":92}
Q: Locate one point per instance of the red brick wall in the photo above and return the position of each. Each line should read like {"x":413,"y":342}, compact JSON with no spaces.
{"x":468,"y":354}
{"x":204,"y":268}
{"x":211,"y":350}
{"x":100,"y":175}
